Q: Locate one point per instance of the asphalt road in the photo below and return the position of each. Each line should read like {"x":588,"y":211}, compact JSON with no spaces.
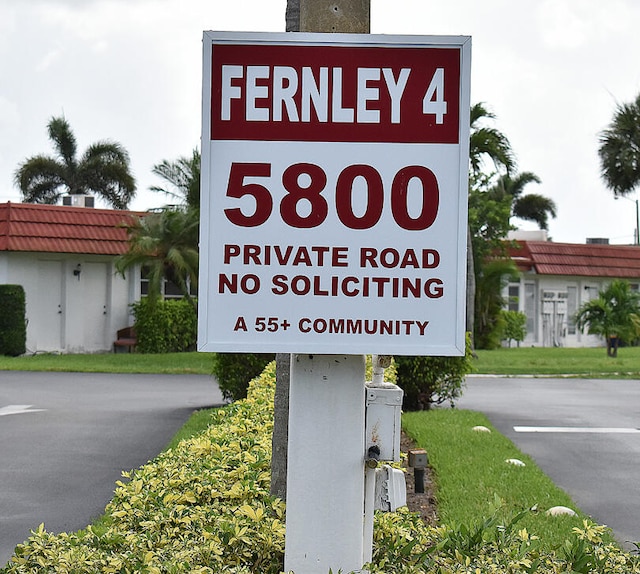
{"x":583,"y":433}
{"x":65,"y":438}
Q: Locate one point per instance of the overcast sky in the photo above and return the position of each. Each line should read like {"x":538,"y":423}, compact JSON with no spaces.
{"x":130,"y":70}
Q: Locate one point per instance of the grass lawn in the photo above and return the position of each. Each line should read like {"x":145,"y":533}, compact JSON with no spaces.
{"x":473,"y":480}
{"x":514,"y":361}
{"x":559,"y":361}
{"x":167,"y":363}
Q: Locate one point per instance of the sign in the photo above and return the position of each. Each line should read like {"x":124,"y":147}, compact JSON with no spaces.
{"x":334,"y":185}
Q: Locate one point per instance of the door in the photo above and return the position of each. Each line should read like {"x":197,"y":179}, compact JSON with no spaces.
{"x":95,"y":306}
{"x":46,"y":312}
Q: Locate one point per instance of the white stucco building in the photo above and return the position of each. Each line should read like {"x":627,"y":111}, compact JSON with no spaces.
{"x":557,"y":278}
{"x":64,"y":258}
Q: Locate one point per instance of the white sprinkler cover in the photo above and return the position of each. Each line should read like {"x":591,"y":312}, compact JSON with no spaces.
{"x":560,"y":511}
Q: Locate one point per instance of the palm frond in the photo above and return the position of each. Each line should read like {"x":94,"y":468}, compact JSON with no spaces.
{"x":619,"y":149}
{"x":535,"y":207}
{"x":41,"y":179}
{"x":63,"y":140}
{"x":183,"y":176}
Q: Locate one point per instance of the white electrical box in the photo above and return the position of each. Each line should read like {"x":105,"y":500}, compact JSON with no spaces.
{"x":391,"y":489}
{"x":382,"y":420}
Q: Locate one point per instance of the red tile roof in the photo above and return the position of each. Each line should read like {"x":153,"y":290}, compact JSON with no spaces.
{"x":586,"y":260}
{"x":62,"y":229}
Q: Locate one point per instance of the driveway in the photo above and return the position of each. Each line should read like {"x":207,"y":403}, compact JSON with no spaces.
{"x":583,"y":433}
{"x":67,"y":437}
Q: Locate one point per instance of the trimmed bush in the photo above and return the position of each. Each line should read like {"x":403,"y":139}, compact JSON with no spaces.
{"x":168,"y":326}
{"x":234,"y":371}
{"x":13,"y":324}
{"x":432,"y":380}
{"x":515,"y":326}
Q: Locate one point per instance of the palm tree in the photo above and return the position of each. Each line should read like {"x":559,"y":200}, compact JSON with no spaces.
{"x":165,"y":243}
{"x":532,"y":206}
{"x":491,"y":281}
{"x":486,"y":145}
{"x":184,"y":177}
{"x":102,"y":170}
{"x":619,"y":149}
{"x":614,"y":314}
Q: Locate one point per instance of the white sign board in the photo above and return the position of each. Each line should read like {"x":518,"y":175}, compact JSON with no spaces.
{"x":334,"y":186}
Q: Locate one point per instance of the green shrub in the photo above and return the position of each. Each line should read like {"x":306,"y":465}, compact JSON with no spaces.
{"x":515,"y":326}
{"x":13,"y":324}
{"x":168,"y":326}
{"x":234,"y":371}
{"x":432,"y":380}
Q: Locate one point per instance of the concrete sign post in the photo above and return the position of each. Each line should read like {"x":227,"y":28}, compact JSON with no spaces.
{"x":333,"y":224}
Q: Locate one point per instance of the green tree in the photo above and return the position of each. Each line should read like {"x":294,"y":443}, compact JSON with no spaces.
{"x":531,"y":206}
{"x":183,"y":176}
{"x":619,"y":149}
{"x":165,"y":243}
{"x":102,"y":170}
{"x":496,"y":194}
{"x":515,"y":326}
{"x":491,"y":280}
{"x":614,"y":315}
{"x":488,"y":148}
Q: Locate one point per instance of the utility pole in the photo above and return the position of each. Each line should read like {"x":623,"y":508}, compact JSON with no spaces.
{"x":330,"y":379}
{"x":346,"y":16}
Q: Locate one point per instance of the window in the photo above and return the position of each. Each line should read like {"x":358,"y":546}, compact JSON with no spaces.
{"x":169,"y":290}
{"x":530,"y":309}
{"x":590,"y":293}
{"x":572,"y":307}
{"x":513,"y":302}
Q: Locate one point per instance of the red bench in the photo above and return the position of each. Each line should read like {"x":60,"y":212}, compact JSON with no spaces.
{"x":126,"y":339}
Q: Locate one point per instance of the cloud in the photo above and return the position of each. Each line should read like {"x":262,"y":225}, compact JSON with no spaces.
{"x":569,"y":25}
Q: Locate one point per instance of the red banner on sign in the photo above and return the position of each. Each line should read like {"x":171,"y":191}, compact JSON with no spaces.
{"x":335,"y":94}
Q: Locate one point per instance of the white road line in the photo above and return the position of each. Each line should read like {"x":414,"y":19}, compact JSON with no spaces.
{"x":18,"y":410}
{"x":596,"y":430}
